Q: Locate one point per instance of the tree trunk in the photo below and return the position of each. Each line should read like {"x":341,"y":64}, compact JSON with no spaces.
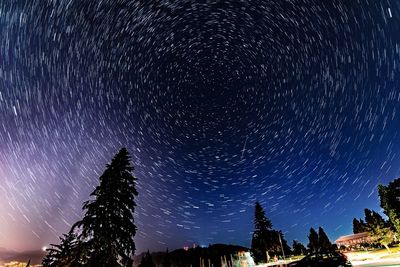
{"x":387,"y":248}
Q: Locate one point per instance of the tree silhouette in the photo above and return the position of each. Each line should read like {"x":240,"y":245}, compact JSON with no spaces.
{"x":147,"y":261}
{"x":356,"y":226}
{"x":261,"y":235}
{"x":378,"y":229}
{"x":363,"y":225}
{"x":107,"y":227}
{"x":359,"y":226}
{"x":166,"y":260}
{"x":261,"y":222}
{"x":390,"y":202}
{"x":298,"y":248}
{"x":277,"y":243}
{"x":323,"y":241}
{"x":67,"y":253}
{"x":313,"y":244}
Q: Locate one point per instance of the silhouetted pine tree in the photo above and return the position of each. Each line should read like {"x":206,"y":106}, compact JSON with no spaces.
{"x":147,"y":261}
{"x":313,"y":244}
{"x":323,"y":241}
{"x":363,"y":225}
{"x":166,"y":260}
{"x":261,"y":222}
{"x":107,"y":227}
{"x":356,"y":226}
{"x":359,"y":226}
{"x":67,"y":253}
{"x":261,"y":234}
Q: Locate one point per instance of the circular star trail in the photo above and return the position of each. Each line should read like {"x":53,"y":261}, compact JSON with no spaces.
{"x":221,"y":103}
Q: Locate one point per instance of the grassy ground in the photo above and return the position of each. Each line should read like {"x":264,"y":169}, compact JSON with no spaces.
{"x":374,"y":254}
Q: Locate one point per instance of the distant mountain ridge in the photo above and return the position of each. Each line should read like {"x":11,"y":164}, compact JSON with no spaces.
{"x":36,"y":256}
{"x":192,"y":256}
{"x":5,"y":254}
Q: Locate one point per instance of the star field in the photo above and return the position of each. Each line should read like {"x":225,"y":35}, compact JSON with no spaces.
{"x":292,"y":103}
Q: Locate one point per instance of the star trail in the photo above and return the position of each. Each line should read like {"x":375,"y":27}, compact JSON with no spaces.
{"x":293,"y":103}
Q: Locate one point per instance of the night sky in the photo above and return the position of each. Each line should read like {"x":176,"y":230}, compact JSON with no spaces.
{"x":294,"y":103}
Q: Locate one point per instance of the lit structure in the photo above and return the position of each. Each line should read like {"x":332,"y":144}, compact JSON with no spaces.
{"x":354,"y":240}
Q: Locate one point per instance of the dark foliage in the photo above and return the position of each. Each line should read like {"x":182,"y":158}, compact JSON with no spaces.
{"x":266,"y":242}
{"x":261,"y":222}
{"x":147,"y":261}
{"x":378,"y":229}
{"x":108,"y":224}
{"x":359,"y":226}
{"x":390,"y":202}
{"x":262,"y":235}
{"x":211,"y":255}
{"x":104,"y":237}
{"x":313,"y":244}
{"x":166,"y":260}
{"x":276,"y":243}
{"x":323,"y":241}
{"x":298,"y":248}
{"x":373,"y":219}
{"x":67,"y":253}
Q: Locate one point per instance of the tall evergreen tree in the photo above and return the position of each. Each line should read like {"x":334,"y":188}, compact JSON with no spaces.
{"x":107,"y":227}
{"x":261,"y":222}
{"x":390,"y":202}
{"x":261,"y":235}
{"x":356,"y":226}
{"x":368,"y":217}
{"x":313,"y":244}
{"x":323,"y":240}
{"x":67,"y":253}
{"x":363,"y":226}
{"x":359,"y":226}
